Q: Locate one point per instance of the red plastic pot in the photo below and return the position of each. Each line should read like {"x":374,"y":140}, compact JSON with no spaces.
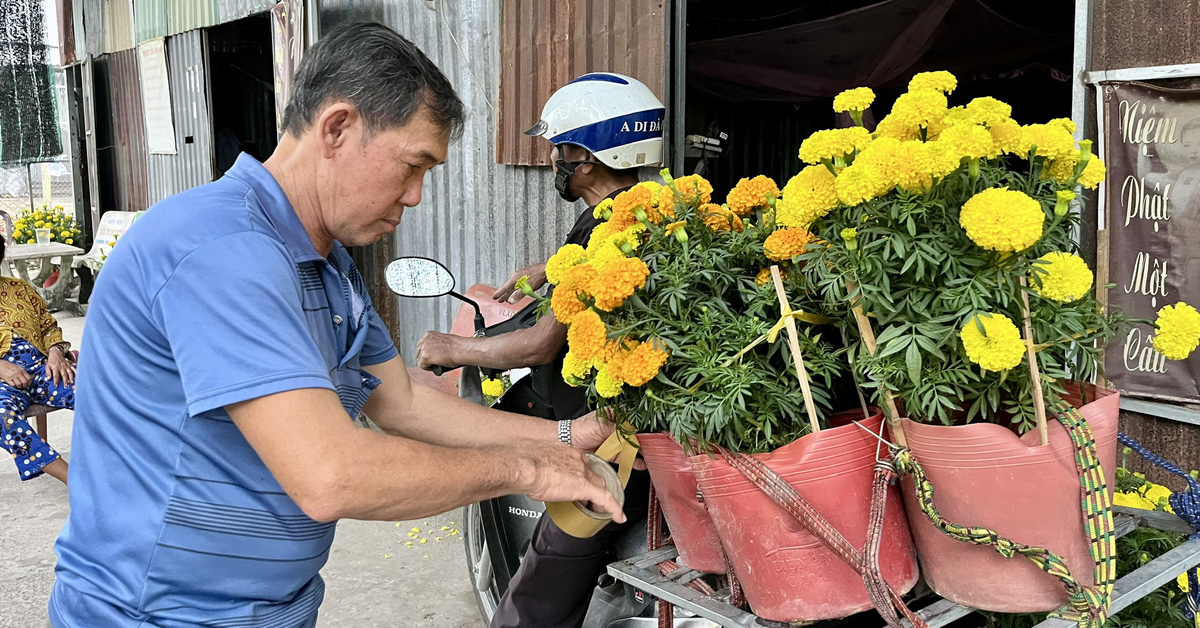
{"x":985,"y":475}
{"x":786,"y":572}
{"x":675,"y":482}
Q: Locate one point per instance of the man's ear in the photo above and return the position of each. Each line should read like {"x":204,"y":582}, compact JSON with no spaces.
{"x":336,"y":126}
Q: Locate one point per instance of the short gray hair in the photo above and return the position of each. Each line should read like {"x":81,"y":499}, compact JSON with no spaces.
{"x":381,"y":73}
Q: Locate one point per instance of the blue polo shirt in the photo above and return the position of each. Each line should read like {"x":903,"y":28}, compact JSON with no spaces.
{"x":215,"y":296}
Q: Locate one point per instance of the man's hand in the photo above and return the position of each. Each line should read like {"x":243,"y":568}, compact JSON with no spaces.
{"x":13,"y":375}
{"x":508,"y":291}
{"x":590,"y":431}
{"x":437,"y":349}
{"x":59,"y":368}
{"x":561,"y":474}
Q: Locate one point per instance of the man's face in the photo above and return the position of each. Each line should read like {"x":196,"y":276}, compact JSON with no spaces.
{"x":367,"y":185}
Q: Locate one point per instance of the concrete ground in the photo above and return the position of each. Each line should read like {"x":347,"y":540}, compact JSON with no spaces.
{"x":373,"y":580}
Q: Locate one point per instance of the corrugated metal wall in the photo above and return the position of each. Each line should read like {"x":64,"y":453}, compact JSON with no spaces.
{"x":229,"y":10}
{"x":160,"y":18}
{"x":121,"y":133}
{"x":484,"y":220}
{"x":193,"y":163}
{"x":117,"y":22}
{"x":546,"y":43}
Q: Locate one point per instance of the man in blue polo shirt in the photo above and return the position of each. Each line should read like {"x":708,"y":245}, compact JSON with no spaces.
{"x":229,"y":344}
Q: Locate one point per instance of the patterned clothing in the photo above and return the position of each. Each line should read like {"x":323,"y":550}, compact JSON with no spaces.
{"x":28,"y":450}
{"x":22,"y":311}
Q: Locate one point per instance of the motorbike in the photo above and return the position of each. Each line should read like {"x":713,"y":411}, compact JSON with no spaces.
{"x":497,"y":532}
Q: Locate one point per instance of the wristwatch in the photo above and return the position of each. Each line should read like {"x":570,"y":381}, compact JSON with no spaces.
{"x":564,"y":431}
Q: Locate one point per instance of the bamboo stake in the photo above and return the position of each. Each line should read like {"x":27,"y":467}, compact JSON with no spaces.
{"x":1102,"y":261}
{"x":794,"y":343}
{"x":868,"y":338}
{"x":1035,"y":376}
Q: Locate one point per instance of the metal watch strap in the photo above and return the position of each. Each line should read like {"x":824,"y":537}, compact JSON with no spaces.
{"x":564,"y":431}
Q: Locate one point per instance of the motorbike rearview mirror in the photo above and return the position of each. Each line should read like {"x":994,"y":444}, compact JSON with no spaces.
{"x":419,"y":277}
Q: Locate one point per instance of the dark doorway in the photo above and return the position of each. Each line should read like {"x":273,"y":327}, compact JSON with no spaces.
{"x":243,"y":90}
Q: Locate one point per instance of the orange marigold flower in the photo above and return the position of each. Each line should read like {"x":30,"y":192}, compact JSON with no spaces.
{"x":643,"y":363}
{"x":586,"y":335}
{"x":718,"y":218}
{"x":693,"y":190}
{"x":616,"y":281}
{"x":785,"y":244}
{"x":565,"y":300}
{"x":751,"y":194}
{"x":628,"y":204}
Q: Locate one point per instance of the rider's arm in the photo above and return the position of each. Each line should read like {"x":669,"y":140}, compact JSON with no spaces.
{"x":534,"y":346}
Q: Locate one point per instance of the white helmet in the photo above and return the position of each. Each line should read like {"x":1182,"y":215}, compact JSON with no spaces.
{"x":615,"y":117}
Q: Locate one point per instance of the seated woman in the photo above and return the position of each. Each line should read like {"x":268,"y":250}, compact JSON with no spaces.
{"x":34,"y":370}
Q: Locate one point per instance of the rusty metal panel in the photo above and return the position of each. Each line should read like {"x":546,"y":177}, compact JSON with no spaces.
{"x":1139,"y":34}
{"x":1177,"y":442}
{"x":117,"y":23}
{"x":482,"y":219}
{"x":121,"y":143}
{"x":65,"y":11}
{"x":192,"y":164}
{"x":230,"y":10}
{"x":546,"y":43}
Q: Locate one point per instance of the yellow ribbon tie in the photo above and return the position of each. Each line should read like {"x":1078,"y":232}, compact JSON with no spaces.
{"x":773,"y":334}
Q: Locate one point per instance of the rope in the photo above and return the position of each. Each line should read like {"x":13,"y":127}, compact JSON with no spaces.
{"x":866,"y":563}
{"x":1087,"y":606}
{"x":1186,"y":506}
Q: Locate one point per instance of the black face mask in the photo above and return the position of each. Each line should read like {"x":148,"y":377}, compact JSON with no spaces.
{"x":563,"y":170}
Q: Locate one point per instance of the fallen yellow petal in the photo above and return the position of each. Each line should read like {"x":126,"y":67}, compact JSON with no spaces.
{"x":424,"y":541}
{"x":437,"y":538}
{"x":386,"y":556}
{"x":416,"y":529}
{"x":408,"y":544}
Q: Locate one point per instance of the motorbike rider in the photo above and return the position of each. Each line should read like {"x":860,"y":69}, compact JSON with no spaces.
{"x":602,"y":127}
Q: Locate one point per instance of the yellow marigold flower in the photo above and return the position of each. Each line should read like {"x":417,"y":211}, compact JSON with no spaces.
{"x":1052,"y":141}
{"x":1065,"y":123}
{"x":643,"y":363}
{"x":607,"y":386}
{"x":831,"y":143}
{"x":1133,"y":499}
{"x":1061,"y":170}
{"x":574,"y":370}
{"x":586,"y":335}
{"x":857,"y":99}
{"x":922,"y":107}
{"x":603,"y":209}
{"x":616,"y":281}
{"x":693,"y":189}
{"x":784,"y":244}
{"x":751,"y":194}
{"x":492,"y":387}
{"x":1006,"y":136}
{"x":1066,"y":278}
{"x":1000,"y":219}
{"x":1093,"y":173}
{"x":565,"y":301}
{"x":969,"y":141}
{"x":941,"y":81}
{"x":988,"y":110}
{"x":807,"y":196}
{"x":860,"y":183}
{"x":763,"y":277}
{"x":998,"y":348}
{"x":1178,"y":331}
{"x":718,"y":218}
{"x":896,"y":128}
{"x":655,"y":213}
{"x":562,"y":261}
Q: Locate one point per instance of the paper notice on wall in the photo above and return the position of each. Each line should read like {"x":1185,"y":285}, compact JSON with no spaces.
{"x":156,"y":97}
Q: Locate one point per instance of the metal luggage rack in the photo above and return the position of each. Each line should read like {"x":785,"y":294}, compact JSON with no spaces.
{"x":642,"y":573}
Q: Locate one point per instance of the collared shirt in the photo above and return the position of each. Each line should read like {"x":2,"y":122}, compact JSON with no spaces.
{"x":214,"y":297}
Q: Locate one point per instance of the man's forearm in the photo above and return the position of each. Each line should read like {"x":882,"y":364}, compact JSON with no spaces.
{"x":534,"y":346}
{"x":440,"y":419}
